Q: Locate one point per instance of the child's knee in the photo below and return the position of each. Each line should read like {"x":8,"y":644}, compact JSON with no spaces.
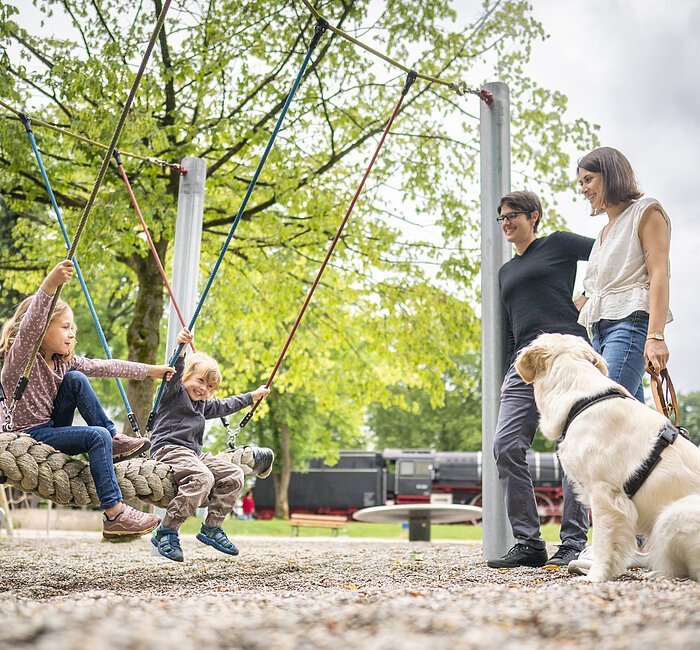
{"x":100,"y":436}
{"x":234,"y":478}
{"x":207,"y":481}
{"x":75,"y":379}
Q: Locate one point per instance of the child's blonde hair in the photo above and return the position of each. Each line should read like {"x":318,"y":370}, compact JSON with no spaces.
{"x":202,"y":365}
{"x":11,"y":327}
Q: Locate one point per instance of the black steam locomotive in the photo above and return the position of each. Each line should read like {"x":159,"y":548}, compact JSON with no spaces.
{"x":362,"y":479}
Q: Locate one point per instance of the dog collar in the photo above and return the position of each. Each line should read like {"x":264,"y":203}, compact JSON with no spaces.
{"x":586,"y":402}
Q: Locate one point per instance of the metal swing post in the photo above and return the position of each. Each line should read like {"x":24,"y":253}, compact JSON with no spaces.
{"x":495,"y":251}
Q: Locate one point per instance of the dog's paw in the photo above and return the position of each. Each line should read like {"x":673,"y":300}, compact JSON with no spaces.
{"x":598,"y":575}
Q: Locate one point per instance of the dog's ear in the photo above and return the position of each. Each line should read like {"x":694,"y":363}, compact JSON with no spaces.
{"x":597,"y":361}
{"x":529,"y":362}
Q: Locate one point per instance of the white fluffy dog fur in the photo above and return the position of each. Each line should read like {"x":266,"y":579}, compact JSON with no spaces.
{"x":603,"y":447}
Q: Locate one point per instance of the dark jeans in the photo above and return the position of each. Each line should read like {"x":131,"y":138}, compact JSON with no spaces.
{"x":95,"y":440}
{"x":515,"y":431}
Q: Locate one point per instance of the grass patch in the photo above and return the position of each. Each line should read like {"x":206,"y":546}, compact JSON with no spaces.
{"x":281,"y":528}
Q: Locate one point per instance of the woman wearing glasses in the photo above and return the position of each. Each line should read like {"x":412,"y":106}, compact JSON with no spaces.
{"x":536,"y":289}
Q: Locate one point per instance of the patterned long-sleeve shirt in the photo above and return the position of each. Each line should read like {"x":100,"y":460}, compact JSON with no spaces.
{"x":36,"y":406}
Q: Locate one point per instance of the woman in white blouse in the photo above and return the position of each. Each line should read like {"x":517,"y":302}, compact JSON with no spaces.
{"x":626,"y":287}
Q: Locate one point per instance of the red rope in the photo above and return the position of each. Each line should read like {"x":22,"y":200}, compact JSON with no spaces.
{"x":332,"y":248}
{"x":152,"y":246}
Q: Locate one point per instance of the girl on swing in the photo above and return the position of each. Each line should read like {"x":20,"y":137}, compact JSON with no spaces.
{"x":58,"y":385}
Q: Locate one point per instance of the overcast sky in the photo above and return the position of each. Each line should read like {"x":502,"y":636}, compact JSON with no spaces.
{"x":631,"y":66}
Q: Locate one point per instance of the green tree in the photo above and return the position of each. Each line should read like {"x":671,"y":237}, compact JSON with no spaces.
{"x":395,"y":304}
{"x":689,"y":414}
{"x":414,"y":422}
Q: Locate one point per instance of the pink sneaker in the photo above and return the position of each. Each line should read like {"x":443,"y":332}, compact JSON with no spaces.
{"x":129,"y":523}
{"x":125,"y":447}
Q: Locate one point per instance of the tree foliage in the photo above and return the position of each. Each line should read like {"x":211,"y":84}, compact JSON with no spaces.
{"x":689,"y":414}
{"x":399,"y":300}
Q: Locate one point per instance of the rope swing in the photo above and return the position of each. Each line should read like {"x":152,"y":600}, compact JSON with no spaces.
{"x":151,"y":160}
{"x":461,"y":88}
{"x":36,"y":467}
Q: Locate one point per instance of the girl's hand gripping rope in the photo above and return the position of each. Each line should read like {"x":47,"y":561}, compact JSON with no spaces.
{"x":58,"y":276}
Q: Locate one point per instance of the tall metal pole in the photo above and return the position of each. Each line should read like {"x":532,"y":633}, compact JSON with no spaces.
{"x":495,"y":251}
{"x":188,"y":240}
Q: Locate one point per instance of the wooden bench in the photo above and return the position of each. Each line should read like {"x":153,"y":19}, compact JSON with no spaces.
{"x":297,"y":520}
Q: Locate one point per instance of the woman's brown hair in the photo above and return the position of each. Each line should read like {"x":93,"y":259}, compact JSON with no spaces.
{"x":619,"y":181}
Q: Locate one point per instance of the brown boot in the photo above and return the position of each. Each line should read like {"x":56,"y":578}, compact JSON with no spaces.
{"x":125,"y":447}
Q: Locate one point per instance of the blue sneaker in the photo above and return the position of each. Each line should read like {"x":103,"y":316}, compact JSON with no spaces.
{"x":167,"y":541}
{"x":216,"y":537}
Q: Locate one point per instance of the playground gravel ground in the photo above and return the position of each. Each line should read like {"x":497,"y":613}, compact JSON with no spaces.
{"x":72,"y":591}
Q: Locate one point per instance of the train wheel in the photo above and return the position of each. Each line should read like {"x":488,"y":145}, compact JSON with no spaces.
{"x":546,"y":508}
{"x":477,"y":500}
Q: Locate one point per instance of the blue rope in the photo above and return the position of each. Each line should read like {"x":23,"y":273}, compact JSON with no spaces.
{"x":130,"y":414}
{"x":320,"y":28}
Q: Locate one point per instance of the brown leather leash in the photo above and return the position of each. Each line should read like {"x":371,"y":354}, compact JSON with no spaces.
{"x":664,"y":394}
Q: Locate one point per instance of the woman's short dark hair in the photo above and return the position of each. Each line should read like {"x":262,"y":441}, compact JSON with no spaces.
{"x":523,"y":202}
{"x":619,"y":182}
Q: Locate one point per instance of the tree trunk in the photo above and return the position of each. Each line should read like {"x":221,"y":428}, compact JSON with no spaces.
{"x":282,"y":482}
{"x":143,"y":335}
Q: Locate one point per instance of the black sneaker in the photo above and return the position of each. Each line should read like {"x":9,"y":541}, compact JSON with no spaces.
{"x":563,"y":556}
{"x":520,"y":555}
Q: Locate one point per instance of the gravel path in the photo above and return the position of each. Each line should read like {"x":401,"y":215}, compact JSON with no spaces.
{"x":72,"y":592}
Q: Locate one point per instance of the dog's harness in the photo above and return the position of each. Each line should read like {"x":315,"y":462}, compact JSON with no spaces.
{"x":586,"y":402}
{"x":667,"y":436}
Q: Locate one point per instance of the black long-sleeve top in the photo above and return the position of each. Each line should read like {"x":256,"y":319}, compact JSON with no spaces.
{"x":537,"y":289}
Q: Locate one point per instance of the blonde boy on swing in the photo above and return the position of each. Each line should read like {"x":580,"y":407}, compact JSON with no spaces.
{"x":178,"y":432}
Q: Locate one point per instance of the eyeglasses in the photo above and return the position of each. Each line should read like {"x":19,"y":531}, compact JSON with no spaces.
{"x":511,"y":216}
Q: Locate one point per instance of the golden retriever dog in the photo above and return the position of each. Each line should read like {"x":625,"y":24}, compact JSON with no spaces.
{"x":603,"y":447}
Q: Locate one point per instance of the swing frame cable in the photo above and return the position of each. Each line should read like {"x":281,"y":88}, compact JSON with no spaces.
{"x":319,"y":29}
{"x":151,"y":160}
{"x":156,"y":257}
{"x":412,"y":76}
{"x":24,"y":379}
{"x":461,"y":88}
{"x":26,"y":121}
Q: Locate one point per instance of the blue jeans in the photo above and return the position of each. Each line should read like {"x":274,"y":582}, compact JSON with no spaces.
{"x":621,"y":343}
{"x":95,"y":440}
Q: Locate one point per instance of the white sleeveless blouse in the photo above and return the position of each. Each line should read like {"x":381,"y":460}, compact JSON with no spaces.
{"x":617,"y":281}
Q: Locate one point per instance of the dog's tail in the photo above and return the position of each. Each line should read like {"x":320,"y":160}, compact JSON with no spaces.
{"x":674,"y":544}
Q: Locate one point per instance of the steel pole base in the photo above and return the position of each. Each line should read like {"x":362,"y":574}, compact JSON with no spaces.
{"x":419,"y":528}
